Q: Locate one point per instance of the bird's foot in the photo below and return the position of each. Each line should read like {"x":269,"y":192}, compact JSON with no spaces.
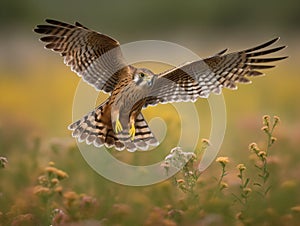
{"x":118,"y":126}
{"x":132,"y":131}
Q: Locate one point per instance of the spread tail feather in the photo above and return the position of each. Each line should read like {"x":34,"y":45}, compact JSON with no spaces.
{"x":143,"y":136}
{"x":93,"y":129}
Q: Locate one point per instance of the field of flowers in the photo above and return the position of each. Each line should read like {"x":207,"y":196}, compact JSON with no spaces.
{"x":44,"y":180}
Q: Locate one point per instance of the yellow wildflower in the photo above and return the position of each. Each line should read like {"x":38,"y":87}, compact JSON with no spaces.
{"x":241,"y":167}
{"x":40,"y":190}
{"x":265,"y":129}
{"x":71,"y":195}
{"x":61,"y":174}
{"x":262,"y":154}
{"x":253,"y":147}
{"x":50,"y":169}
{"x":54,"y":181}
{"x":273,"y":139}
{"x":266,"y":120}
{"x":223,"y":160}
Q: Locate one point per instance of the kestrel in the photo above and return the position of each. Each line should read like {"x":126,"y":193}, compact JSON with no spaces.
{"x":118,"y":122}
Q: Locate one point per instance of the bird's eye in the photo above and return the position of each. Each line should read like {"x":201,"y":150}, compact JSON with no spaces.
{"x":142,"y":75}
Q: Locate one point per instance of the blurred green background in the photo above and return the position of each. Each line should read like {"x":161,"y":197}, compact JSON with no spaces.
{"x":37,"y":89}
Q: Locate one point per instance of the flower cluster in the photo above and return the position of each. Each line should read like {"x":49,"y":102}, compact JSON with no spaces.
{"x":262,"y":154}
{"x":178,"y":158}
{"x":268,"y":127}
{"x":48,"y":183}
{"x":223,"y":161}
{"x":79,"y":206}
{"x":245,"y":190}
{"x":184,"y":161}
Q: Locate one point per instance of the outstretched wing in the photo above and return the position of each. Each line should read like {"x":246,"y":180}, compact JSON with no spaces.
{"x":95,"y":57}
{"x":210,"y":75}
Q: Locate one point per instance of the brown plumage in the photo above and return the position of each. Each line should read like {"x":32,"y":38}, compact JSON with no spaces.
{"x":118,"y":122}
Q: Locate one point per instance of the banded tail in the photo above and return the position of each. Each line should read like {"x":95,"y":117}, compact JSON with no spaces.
{"x":94,"y":129}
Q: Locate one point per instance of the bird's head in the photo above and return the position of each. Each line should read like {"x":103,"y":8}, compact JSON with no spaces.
{"x":143,"y":77}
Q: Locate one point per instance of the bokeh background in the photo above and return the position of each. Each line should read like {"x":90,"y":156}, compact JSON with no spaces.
{"x":37,"y":90}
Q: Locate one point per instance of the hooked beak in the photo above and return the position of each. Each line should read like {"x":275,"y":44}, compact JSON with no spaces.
{"x":149,"y":81}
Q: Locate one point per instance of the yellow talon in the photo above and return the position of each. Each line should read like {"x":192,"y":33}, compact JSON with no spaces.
{"x":132,"y":131}
{"x":118,"y":127}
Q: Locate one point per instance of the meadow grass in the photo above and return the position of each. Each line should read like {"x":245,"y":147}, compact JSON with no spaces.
{"x":68,"y":192}
{"x":46,"y":181}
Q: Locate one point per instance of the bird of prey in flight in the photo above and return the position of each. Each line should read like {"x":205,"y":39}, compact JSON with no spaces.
{"x":118,"y":122}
